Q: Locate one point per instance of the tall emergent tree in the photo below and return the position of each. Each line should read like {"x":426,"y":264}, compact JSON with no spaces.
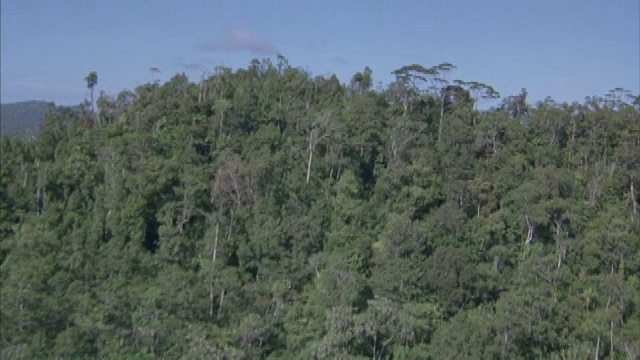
{"x":92,"y":81}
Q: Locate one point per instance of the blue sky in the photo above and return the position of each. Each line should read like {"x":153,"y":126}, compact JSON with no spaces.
{"x":566,"y":49}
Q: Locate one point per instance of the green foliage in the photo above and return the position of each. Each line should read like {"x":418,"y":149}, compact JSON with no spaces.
{"x":266,"y":213}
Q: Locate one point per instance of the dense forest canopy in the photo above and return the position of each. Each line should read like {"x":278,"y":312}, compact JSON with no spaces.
{"x":268,"y":213}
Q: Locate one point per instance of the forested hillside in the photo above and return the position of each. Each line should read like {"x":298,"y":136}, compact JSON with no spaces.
{"x":267,"y":213}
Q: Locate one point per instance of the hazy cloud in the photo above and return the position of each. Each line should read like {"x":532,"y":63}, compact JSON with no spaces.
{"x":340,"y":60}
{"x":200,"y":66}
{"x":43,"y":84}
{"x":193,"y":66}
{"x":240,"y":40}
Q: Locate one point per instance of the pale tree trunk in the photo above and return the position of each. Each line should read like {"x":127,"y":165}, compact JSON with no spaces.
{"x":475,"y":106}
{"x":314,"y":139}
{"x":611,"y":354}
{"x":309,"y":162}
{"x":25,"y":178}
{"x":222,"y":292}
{"x":561,"y":252}
{"x":317,"y":133}
{"x":214,"y":252}
{"x":441,"y":116}
{"x":598,"y":349}
{"x":211,"y":297}
{"x":531,"y":229}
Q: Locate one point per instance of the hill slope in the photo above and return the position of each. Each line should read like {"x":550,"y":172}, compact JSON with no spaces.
{"x":269,"y":214}
{"x":21,"y":116}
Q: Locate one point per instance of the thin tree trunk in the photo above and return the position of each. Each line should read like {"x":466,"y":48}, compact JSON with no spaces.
{"x":311,"y":146}
{"x":309,"y":165}
{"x":215,"y":244}
{"x":558,"y":245}
{"x":531,"y":231}
{"x":24,"y":179}
{"x":611,"y":354}
{"x":222,"y":301}
{"x":475,"y":106}
{"x":598,"y":349}
{"x":375,"y":339}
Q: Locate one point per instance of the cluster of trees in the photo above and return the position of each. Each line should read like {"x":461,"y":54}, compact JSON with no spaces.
{"x":267,"y":213}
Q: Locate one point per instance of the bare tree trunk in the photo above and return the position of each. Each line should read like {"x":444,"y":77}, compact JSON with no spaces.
{"x":311,"y":146}
{"x":214,"y":251}
{"x":598,"y":349}
{"x":531,"y":229}
{"x":222,"y":301}
{"x":309,"y":163}
{"x":93,"y":108}
{"x":375,"y":340}
{"x":611,"y":354}
{"x":561,"y":252}
{"x":24,"y":179}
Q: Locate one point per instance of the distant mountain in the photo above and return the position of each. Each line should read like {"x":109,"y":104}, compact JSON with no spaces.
{"x":20,"y":117}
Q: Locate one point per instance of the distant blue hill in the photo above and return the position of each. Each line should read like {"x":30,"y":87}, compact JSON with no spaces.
{"x":22,"y":117}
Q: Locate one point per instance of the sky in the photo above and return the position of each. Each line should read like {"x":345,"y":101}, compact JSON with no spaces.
{"x":565,"y":49}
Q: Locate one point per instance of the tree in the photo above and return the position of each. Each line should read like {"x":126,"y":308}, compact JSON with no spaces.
{"x":479,"y":92}
{"x":92,"y":81}
{"x":154,"y":71}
